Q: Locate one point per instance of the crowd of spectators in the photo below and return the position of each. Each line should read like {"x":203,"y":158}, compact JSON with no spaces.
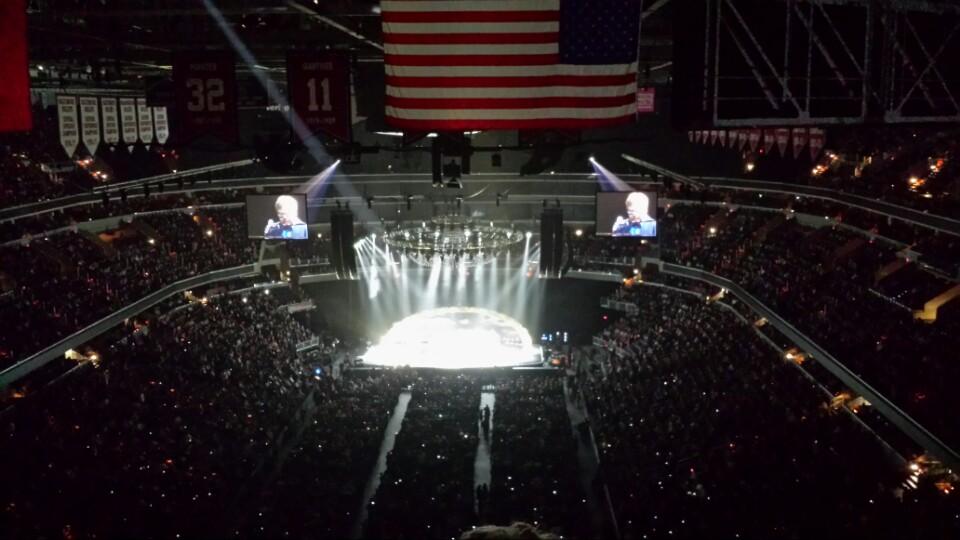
{"x":534,"y":457}
{"x":59,"y":284}
{"x":705,"y":432}
{"x":158,"y":439}
{"x":427,"y":491}
{"x":825,"y":282}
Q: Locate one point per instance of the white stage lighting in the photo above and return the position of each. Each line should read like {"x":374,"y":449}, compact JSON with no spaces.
{"x":455,"y":338}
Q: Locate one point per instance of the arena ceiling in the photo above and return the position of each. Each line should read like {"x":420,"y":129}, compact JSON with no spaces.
{"x":128,"y":43}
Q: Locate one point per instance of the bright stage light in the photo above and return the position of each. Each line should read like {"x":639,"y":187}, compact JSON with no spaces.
{"x":455,"y":338}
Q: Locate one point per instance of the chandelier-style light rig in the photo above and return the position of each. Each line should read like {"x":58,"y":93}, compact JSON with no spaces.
{"x":453,"y":239}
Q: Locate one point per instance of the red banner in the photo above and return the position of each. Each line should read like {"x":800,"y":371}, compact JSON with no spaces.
{"x":645,"y":100}
{"x":742,"y":136}
{"x":205,"y":90}
{"x":319,"y":90}
{"x":817,"y":139}
{"x":799,"y":141}
{"x":14,"y":71}
{"x":783,"y":137}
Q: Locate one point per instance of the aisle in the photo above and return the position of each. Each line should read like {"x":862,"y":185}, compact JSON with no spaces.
{"x":386,"y":446}
{"x":481,"y":466}
{"x":601,"y":512}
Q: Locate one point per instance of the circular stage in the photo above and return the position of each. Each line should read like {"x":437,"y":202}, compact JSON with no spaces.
{"x":455,"y":338}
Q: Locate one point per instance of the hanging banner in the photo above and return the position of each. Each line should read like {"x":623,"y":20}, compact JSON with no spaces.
{"x":754,"y":138}
{"x":111,"y":123}
{"x":319,"y":88}
{"x":817,"y":139}
{"x":90,"y":122}
{"x":714,"y":134}
{"x":742,"y":137}
{"x":144,"y":121}
{"x":799,"y":141}
{"x":783,"y":137}
{"x":697,"y":136}
{"x":128,"y":120}
{"x":163,"y":127}
{"x":731,"y":138}
{"x":722,"y":137}
{"x":205,"y":90}
{"x":14,"y":68}
{"x":691,"y":136}
{"x":768,"y":140}
{"x":645,"y":100}
{"x":69,"y":129}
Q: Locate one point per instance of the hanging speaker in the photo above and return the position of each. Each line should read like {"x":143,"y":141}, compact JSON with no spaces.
{"x":341,"y":244}
{"x":551,"y":242}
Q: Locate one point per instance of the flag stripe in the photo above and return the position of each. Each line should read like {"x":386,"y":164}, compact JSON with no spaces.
{"x":473,"y":49}
{"x":509,"y":71}
{"x":508,"y":103}
{"x":469,"y":16}
{"x":543,"y":123}
{"x":472,"y":28}
{"x":388,"y":6}
{"x":511,"y":82}
{"x":472,"y":91}
{"x":506,"y":114}
{"x":435,"y":60}
{"x":469,"y":38}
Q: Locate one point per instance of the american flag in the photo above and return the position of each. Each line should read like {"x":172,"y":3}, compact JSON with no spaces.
{"x":510,"y":64}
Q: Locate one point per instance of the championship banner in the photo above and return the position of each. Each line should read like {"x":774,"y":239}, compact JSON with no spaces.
{"x":698,"y":136}
{"x":645,"y":100}
{"x":128,"y":121}
{"x":754,"y":139}
{"x":817,"y":139}
{"x":768,"y":140}
{"x":163,"y":127}
{"x":69,"y":129}
{"x":799,"y":141}
{"x":205,"y":93}
{"x":742,"y":137}
{"x":319,"y":90}
{"x":732,"y":138}
{"x":14,"y":69}
{"x":722,"y":137}
{"x":90,"y":122}
{"x":144,"y":121}
{"x":691,"y":136}
{"x":111,"y":123}
{"x":783,"y":137}
{"x":713,"y":136}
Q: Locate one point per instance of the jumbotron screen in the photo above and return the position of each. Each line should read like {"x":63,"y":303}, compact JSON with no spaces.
{"x":277,"y":217}
{"x":627,"y":214}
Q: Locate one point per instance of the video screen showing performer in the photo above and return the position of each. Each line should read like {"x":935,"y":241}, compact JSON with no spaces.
{"x":275,"y":217}
{"x":627,"y":214}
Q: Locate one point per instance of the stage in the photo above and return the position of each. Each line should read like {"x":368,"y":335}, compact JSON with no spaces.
{"x":455,"y":338}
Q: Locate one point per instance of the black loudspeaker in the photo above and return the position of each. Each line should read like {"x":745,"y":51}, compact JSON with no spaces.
{"x":341,"y":244}
{"x":551,"y":242}
{"x":436,"y":163}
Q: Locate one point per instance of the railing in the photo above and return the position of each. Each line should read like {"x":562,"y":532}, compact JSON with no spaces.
{"x":40,"y":359}
{"x":911,"y":215}
{"x":884,"y":406}
{"x":94,"y":196}
{"x":561,"y":186}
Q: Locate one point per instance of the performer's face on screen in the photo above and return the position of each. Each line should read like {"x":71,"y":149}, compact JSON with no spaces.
{"x":286,"y":209}
{"x":637,"y":207}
